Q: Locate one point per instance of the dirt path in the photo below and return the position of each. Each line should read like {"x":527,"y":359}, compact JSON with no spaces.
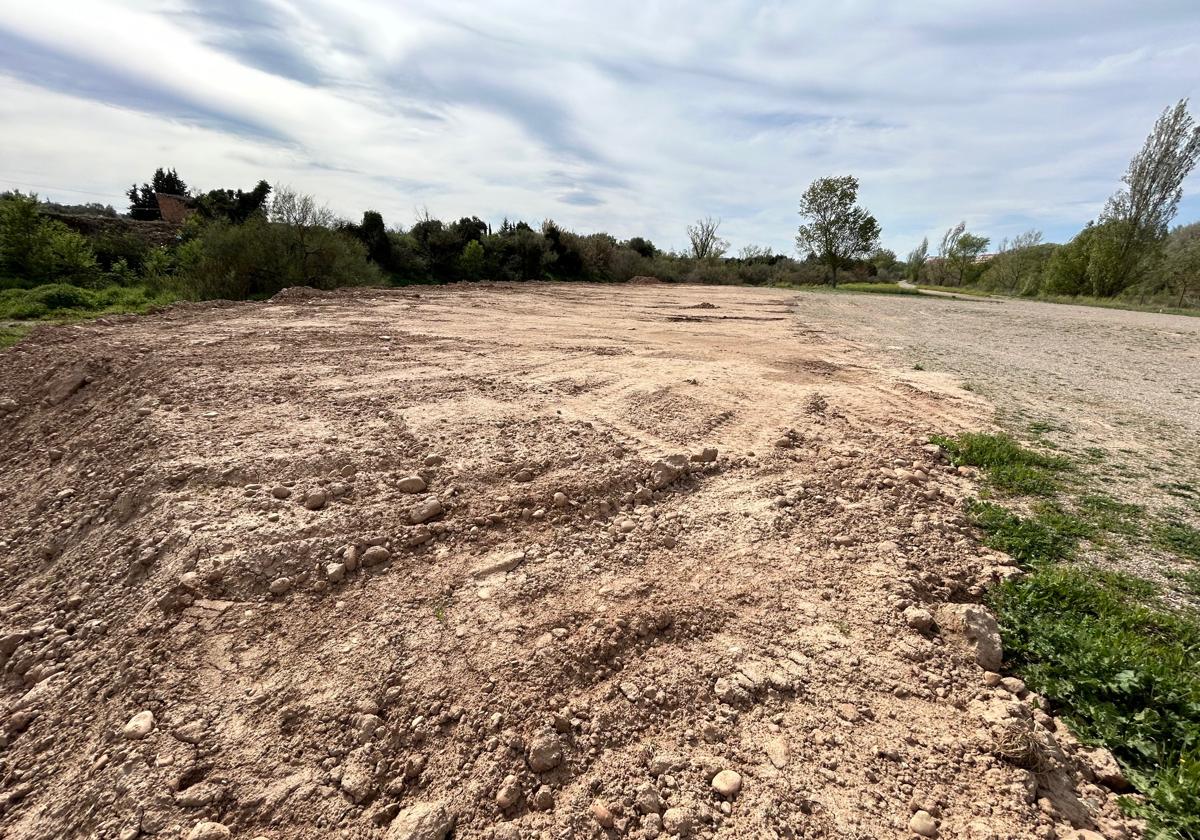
{"x":377,"y":564}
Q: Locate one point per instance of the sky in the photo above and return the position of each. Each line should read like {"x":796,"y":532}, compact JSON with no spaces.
{"x":634,"y":118}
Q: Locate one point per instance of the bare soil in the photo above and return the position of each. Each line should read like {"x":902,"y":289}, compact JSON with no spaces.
{"x":213,"y":515}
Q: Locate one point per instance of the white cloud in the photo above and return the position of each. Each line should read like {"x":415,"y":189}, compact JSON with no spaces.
{"x":628,"y":117}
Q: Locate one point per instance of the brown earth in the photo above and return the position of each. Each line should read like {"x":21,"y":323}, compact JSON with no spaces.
{"x":213,"y":515}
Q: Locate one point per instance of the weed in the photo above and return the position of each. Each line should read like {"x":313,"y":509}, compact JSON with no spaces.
{"x":1126,"y":674}
{"x":1010,"y":467}
{"x":878,"y":288}
{"x":1027,"y":540}
{"x":918,"y":366}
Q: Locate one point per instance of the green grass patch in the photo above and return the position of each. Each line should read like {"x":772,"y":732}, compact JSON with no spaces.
{"x":1177,"y":537}
{"x":878,"y":288}
{"x":1124,"y":672}
{"x":11,"y":335}
{"x":1010,"y":467}
{"x":1036,"y":539}
{"x":61,"y":301}
{"x":1108,"y":515}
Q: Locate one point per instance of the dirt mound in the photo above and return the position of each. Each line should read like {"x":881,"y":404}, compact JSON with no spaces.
{"x":412,"y":566}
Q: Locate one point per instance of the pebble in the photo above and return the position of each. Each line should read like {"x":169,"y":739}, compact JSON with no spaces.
{"x":918,"y":619}
{"x":139,"y":726}
{"x":280,"y":586}
{"x":375,"y":555}
{"x":281,"y":492}
{"x":777,"y":752}
{"x":425,"y":510}
{"x":509,"y":793}
{"x":411,"y":484}
{"x":434,"y":461}
{"x":922,"y":823}
{"x":335,"y":572}
{"x":602,"y":815}
{"x":561,"y":500}
{"x":316,"y":499}
{"x":727,"y":783}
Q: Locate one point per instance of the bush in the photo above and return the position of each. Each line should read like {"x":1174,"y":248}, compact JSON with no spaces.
{"x":35,"y":250}
{"x":259,"y":258}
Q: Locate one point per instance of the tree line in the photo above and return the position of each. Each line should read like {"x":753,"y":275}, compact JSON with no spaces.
{"x":246,"y":243}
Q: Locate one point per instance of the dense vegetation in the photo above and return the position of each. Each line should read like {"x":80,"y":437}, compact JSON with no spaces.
{"x":1121,"y":666}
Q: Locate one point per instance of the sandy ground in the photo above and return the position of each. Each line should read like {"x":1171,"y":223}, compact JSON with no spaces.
{"x":522,"y":561}
{"x":1116,"y":387}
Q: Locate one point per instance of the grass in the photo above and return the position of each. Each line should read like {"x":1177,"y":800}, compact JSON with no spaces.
{"x":957,"y":290}
{"x":1121,"y":668}
{"x":60,"y":301}
{"x":878,"y":288}
{"x":1010,"y":467}
{"x":10,"y":335}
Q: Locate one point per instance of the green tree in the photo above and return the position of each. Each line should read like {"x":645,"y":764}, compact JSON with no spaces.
{"x":837,"y":230}
{"x":917,"y":258}
{"x":642,"y":246}
{"x":143,"y":205}
{"x":235,"y":207}
{"x":1135,"y":219}
{"x":1181,"y":265}
{"x":472,"y":261}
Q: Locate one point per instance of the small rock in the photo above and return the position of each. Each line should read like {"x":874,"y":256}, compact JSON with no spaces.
{"x":1105,"y":768}
{"x":281,"y":492}
{"x":561,"y":500}
{"x":630,"y":691}
{"x":423,"y":821}
{"x":509,"y":794}
{"x":602,"y":815}
{"x":316,"y":498}
{"x":647,"y":800}
{"x":783,"y":443}
{"x":210,"y":831}
{"x":727,"y":783}
{"x":678,"y":821}
{"x":922,"y":823}
{"x":777,"y":752}
{"x":280,"y":586}
{"x":434,"y":461}
{"x":545,"y":753}
{"x":543,"y":798}
{"x":411,"y":484}
{"x":918,"y":619}
{"x":335,"y":572}
{"x":425,"y":510}
{"x":375,"y":555}
{"x":139,"y":726}
{"x":667,"y":470}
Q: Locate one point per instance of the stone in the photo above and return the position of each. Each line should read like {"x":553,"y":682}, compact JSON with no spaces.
{"x":139,"y":726}
{"x":190,"y":733}
{"x":497,"y":564}
{"x":335,"y":572}
{"x":678,"y":821}
{"x":777,"y":753}
{"x":1105,"y":768}
{"x":356,"y":780}
{"x":510,"y":793}
{"x":727,"y":783}
{"x":280,"y":586}
{"x":281,"y":492}
{"x":210,"y":831}
{"x":561,"y":500}
{"x":783,"y":443}
{"x":922,"y":823}
{"x":425,"y":510}
{"x":543,"y":798}
{"x":603,"y":817}
{"x":667,"y":470}
{"x":647,"y":800}
{"x":545,"y":753}
{"x":411,"y":484}
{"x":707,"y":455}
{"x":198,"y":795}
{"x":980,"y":627}
{"x":423,"y":821}
{"x":918,"y":619}
{"x":316,"y":498}
{"x":434,"y":460}
{"x":375,"y":555}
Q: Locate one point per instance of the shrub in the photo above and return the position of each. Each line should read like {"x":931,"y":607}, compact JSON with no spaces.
{"x":36,"y":250}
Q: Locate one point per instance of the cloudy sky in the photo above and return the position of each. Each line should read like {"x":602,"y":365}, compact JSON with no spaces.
{"x":630,"y":117}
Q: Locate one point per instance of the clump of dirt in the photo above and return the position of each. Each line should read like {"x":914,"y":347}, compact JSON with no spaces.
{"x":405,"y":567}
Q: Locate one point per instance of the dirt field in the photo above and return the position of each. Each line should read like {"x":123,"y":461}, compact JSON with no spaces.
{"x":464,"y":562}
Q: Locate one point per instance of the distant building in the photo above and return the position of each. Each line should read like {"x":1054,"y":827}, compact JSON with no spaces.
{"x":174,"y":208}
